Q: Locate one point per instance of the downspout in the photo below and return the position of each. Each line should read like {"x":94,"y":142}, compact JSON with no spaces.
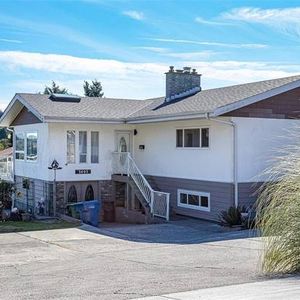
{"x":234,"y":152}
{"x":13,"y":164}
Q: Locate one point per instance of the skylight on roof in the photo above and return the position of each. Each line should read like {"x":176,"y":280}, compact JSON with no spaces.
{"x":64,"y":98}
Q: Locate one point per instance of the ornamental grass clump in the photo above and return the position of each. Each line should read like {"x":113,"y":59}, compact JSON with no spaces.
{"x":278,"y":214}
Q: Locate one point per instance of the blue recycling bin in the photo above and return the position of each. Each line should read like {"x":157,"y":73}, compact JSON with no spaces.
{"x":87,"y":211}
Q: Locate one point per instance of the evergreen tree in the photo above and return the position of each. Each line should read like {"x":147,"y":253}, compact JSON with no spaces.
{"x":54,"y":89}
{"x":93,"y":89}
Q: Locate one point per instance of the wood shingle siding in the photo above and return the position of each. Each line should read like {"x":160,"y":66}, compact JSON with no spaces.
{"x":283,"y":106}
{"x":25,"y":117}
{"x":221,"y":195}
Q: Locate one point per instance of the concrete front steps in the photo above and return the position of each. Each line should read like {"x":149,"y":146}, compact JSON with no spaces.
{"x":130,"y":216}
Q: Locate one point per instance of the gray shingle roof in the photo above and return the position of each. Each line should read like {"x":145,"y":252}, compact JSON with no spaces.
{"x":205,"y":101}
{"x":88,"y":107}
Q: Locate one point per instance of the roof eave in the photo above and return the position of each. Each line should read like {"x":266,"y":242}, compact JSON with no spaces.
{"x":166,"y":118}
{"x":83,"y":120}
{"x":17,"y":97}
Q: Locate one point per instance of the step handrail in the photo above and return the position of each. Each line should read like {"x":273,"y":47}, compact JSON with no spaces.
{"x":142,"y":183}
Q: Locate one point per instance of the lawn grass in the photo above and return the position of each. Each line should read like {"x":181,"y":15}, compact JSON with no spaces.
{"x":18,"y":226}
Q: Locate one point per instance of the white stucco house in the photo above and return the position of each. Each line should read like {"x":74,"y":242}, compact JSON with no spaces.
{"x":193,"y":152}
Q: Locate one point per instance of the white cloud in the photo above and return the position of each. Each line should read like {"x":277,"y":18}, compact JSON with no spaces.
{"x":124,"y":79}
{"x":67,"y":64}
{"x":201,"y":20}
{"x":133,"y":14}
{"x":3,"y":105}
{"x":10,"y":41}
{"x":153,"y":49}
{"x":66,"y":33}
{"x":192,"y":55}
{"x":286,"y":20}
{"x":208,"y":43}
{"x":182,"y":55}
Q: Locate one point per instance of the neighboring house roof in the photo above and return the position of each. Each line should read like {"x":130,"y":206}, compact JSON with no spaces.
{"x":212,"y":101}
{"x":6,"y":152}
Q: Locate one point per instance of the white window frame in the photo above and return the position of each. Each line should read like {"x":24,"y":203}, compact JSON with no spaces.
{"x":37,"y":148}
{"x":75,"y":150}
{"x":90,"y":145}
{"x":196,"y":193}
{"x":77,"y":147}
{"x":200,"y":137}
{"x":87,"y":147}
{"x":20,"y":151}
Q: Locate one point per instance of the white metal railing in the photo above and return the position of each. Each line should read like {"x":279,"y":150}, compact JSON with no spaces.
{"x":6,"y":168}
{"x":158,"y":201}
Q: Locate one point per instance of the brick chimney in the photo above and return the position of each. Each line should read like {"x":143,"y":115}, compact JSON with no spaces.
{"x":181,"y":83}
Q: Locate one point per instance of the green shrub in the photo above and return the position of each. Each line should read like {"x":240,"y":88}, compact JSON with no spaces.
{"x":5,"y":196}
{"x":278,"y":215}
{"x":231,"y":217}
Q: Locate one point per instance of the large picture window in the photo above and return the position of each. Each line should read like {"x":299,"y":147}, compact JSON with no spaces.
{"x":194,"y":200}
{"x":31,"y":142}
{"x":20,"y":146}
{"x":82,"y":146}
{"x":192,"y":138}
{"x":71,"y":147}
{"x":94,"y":147}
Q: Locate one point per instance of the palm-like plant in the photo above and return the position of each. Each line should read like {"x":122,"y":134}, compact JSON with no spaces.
{"x":279,"y":214}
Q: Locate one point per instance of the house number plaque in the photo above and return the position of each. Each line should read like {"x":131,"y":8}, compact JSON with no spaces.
{"x":83,"y":171}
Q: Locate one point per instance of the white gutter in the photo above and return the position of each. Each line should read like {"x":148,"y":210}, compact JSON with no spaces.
{"x":234,"y":152}
{"x":13,"y":164}
{"x":82,"y":120}
{"x":154,"y":119}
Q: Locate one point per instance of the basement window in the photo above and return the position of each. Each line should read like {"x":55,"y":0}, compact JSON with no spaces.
{"x":193,"y":200}
{"x":192,"y":138}
{"x":20,"y":146}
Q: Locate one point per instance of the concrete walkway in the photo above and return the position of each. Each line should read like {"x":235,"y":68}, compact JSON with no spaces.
{"x":277,"y":289}
{"x":125,"y":262}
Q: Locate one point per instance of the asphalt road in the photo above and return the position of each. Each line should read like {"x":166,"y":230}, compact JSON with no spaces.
{"x":125,"y":262}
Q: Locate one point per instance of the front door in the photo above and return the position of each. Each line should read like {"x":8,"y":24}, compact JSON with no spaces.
{"x":123,"y":141}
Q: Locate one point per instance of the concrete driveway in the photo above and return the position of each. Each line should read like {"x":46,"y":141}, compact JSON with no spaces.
{"x":124,"y":262}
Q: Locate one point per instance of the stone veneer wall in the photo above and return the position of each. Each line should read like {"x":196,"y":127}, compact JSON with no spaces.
{"x":120,"y":193}
{"x":106,"y":190}
{"x":60,"y":198}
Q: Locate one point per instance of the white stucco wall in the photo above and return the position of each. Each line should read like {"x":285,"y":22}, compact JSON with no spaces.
{"x":58,"y":150}
{"x":259,"y":142}
{"x":162,"y":158}
{"x":38,"y":168}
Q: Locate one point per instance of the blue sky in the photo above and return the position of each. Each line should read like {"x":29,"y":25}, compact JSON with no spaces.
{"x":128,"y":45}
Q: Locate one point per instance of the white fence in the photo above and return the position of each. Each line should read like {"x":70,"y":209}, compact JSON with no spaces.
{"x":124,"y":164}
{"x":6,"y":168}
